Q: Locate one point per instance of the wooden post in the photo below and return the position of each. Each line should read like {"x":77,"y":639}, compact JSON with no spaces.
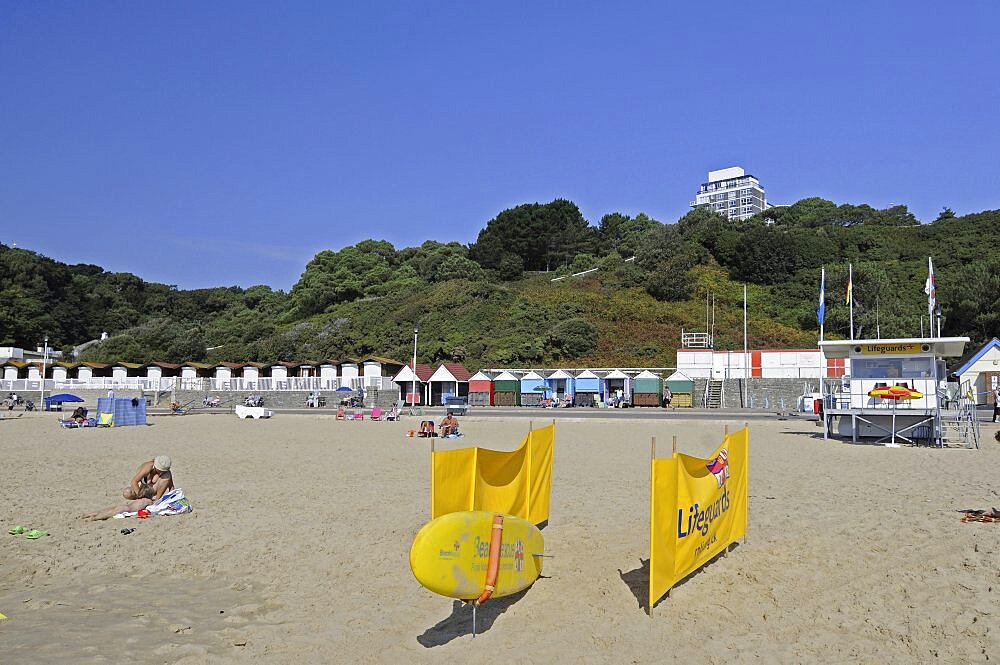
{"x":652,"y":447}
{"x":673,"y":446}
{"x":726,"y":429}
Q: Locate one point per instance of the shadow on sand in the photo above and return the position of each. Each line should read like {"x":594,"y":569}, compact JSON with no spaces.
{"x":459,"y":623}
{"x":637,"y":580}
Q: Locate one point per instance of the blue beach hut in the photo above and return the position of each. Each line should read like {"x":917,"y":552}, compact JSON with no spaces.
{"x":533,"y":389}
{"x":587,"y":388}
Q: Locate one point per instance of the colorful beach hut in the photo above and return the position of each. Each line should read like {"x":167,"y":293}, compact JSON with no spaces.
{"x":588,"y":388}
{"x":481,"y":389}
{"x":561,"y":383}
{"x":407,"y":380}
{"x":506,"y":390}
{"x":647,"y":389}
{"x":616,"y":384}
{"x":533,"y":389}
{"x":449,"y":380}
{"x":681,"y":387}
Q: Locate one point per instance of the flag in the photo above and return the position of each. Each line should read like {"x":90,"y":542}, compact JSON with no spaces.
{"x":850,"y":287}
{"x":821,"y":310}
{"x":930,"y":289}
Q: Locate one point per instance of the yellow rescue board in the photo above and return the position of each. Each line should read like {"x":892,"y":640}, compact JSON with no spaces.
{"x":450,"y":554}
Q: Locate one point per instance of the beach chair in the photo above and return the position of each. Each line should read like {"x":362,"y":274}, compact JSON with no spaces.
{"x":394,"y":414}
{"x":376,"y":413}
{"x":341,"y":413}
{"x":105,"y":420}
{"x":358,"y":415}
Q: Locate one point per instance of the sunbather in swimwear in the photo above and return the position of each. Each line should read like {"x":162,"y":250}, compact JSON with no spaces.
{"x":449,"y":425}
{"x":151,"y":481}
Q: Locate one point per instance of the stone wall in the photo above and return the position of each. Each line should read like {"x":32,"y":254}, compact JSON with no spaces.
{"x":765,"y":394}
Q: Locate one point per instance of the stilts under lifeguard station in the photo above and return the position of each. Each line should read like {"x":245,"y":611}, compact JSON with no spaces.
{"x":897,"y":391}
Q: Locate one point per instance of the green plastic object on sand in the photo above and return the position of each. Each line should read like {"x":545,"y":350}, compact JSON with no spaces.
{"x":35,"y":534}
{"x":17,"y":531}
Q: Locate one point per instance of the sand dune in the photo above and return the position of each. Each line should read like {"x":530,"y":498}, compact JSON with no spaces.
{"x":297,"y":549}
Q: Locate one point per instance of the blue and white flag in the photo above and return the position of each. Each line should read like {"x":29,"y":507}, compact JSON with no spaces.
{"x":821,"y":310}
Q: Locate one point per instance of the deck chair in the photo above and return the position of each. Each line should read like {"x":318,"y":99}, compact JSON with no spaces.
{"x":105,"y":420}
{"x":376,"y":413}
{"x":341,"y":413}
{"x":394,"y":414}
{"x":358,"y":415}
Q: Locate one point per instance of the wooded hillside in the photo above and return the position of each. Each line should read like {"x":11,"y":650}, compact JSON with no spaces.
{"x":493,"y":303}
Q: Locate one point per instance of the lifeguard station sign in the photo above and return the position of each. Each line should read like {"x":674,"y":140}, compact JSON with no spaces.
{"x":892,"y":349}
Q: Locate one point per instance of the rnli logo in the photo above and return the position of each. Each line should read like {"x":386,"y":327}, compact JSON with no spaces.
{"x":719,"y":467}
{"x":519,"y":555}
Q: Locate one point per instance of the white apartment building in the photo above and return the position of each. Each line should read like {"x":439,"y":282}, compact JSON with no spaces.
{"x":732,"y":193}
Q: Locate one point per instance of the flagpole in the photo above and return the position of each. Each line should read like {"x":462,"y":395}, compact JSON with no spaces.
{"x":746,"y":362}
{"x":850,"y":294}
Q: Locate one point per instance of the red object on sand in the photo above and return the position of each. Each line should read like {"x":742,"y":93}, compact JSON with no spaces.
{"x":143,"y":513}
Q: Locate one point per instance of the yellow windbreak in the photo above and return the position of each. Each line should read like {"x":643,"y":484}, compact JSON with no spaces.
{"x":517,"y":483}
{"x":697,"y":508}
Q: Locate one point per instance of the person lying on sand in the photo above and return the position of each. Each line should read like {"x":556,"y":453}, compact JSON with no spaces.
{"x":132,"y":506}
{"x":151,"y":481}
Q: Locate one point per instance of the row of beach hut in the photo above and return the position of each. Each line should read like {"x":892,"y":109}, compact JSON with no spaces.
{"x":533,"y":387}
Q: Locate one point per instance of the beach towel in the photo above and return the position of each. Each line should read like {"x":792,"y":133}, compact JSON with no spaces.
{"x":172,"y":503}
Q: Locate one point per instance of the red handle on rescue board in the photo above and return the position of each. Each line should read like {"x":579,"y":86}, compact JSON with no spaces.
{"x":493,"y":565}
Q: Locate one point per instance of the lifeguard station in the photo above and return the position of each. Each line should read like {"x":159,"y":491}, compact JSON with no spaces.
{"x":897,"y":391}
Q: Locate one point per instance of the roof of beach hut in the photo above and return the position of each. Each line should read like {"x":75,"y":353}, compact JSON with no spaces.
{"x":532,"y":376}
{"x":162,"y":365}
{"x":678,"y":376}
{"x":616,"y":374}
{"x":193,"y":364}
{"x":424,"y":373}
{"x":451,"y":372}
{"x":560,"y":374}
{"x":505,"y":376}
{"x":977,"y":356}
{"x":646,"y":374}
{"x":587,"y":374}
{"x":481,"y":375}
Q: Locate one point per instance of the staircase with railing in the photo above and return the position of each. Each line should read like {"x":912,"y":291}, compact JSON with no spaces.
{"x":960,"y":425}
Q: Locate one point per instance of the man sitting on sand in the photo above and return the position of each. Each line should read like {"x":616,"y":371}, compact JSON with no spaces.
{"x":151,"y":481}
{"x":449,"y":425}
{"x":132,"y":506}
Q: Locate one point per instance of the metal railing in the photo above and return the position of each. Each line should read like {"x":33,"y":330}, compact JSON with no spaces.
{"x":166,"y":384}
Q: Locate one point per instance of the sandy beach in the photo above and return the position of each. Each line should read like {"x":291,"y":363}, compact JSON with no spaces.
{"x":297,"y":549}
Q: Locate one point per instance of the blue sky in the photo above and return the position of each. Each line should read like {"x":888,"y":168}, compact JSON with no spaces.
{"x":225,"y":143}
